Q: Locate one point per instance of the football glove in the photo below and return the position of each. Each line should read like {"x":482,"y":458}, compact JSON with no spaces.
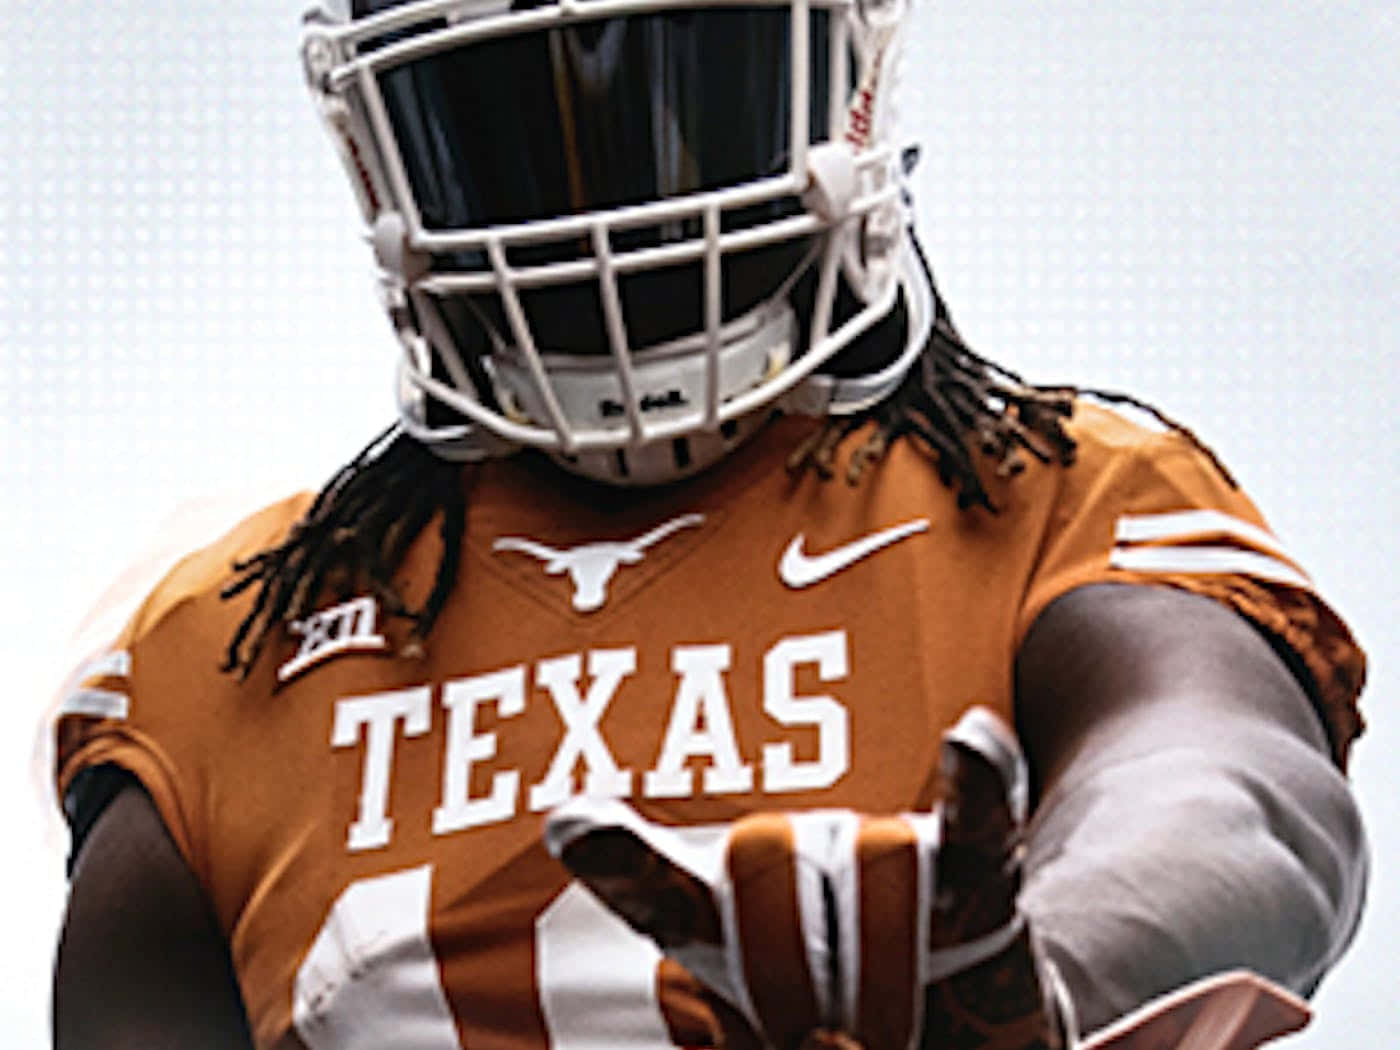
{"x":832,"y":930}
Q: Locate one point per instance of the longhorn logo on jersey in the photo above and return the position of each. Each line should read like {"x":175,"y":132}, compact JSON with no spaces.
{"x":592,"y":565}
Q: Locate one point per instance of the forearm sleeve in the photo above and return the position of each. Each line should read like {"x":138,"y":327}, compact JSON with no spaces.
{"x":1153,"y":865}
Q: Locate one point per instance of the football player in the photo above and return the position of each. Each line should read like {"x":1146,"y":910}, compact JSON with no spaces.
{"x":697,"y":507}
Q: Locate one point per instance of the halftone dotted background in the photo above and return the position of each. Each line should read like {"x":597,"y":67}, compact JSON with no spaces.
{"x":1194,"y":202}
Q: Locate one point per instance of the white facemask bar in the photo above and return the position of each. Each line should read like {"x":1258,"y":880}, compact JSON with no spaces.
{"x":842,"y":183}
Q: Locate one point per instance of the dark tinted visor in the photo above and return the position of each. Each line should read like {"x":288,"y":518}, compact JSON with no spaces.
{"x":601,"y":114}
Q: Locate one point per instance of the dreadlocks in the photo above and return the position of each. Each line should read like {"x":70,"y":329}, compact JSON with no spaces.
{"x":958,"y":404}
{"x":357,"y":530}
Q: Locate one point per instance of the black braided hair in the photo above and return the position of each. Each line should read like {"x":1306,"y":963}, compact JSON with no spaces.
{"x":356,"y":532}
{"x":960,"y":404}
{"x":957,"y":403}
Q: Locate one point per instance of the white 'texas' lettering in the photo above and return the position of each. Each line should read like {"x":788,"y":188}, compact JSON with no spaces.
{"x":607,"y":667}
{"x":699,"y":732}
{"x":378,"y":712}
{"x":700,"y":725}
{"x":781,"y":770}
{"x":465,"y":746}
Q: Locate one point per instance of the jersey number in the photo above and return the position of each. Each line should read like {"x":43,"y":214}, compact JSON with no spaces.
{"x":371,"y":978}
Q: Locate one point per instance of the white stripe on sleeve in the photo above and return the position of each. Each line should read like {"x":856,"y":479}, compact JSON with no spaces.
{"x":1185,"y":524}
{"x":99,"y":703}
{"x":113,"y":664}
{"x":1205,"y":560}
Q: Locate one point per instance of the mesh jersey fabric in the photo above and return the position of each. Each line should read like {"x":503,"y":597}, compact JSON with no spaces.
{"x":367,"y":825}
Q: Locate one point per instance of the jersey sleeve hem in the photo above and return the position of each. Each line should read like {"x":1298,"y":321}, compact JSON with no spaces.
{"x":1152,"y":509}
{"x":1330,"y":665}
{"x":127,"y":749}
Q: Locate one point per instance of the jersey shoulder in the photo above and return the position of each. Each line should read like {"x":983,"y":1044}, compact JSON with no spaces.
{"x":1102,"y":434}
{"x":188,"y":566}
{"x":180,"y":565}
{"x":1127,"y":463}
{"x":1154,"y":506}
{"x":95,"y":717}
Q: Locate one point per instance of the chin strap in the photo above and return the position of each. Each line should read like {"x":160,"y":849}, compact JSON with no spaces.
{"x":656,"y":462}
{"x":825,"y":395}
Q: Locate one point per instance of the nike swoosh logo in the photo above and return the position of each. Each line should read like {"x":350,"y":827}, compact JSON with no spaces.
{"x":798,"y":570}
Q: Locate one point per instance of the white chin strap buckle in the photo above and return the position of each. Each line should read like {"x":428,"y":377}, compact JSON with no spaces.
{"x":389,"y":238}
{"x":831,"y":167}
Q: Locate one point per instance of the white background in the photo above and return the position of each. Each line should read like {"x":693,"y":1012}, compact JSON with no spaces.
{"x":1196,"y":202}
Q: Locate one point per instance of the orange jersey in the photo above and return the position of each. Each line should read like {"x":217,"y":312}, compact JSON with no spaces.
{"x":367,"y":825}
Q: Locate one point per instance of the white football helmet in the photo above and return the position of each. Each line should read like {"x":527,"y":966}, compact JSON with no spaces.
{"x":623,"y":231}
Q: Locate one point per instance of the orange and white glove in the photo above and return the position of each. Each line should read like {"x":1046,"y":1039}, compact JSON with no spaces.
{"x":830,"y":927}
{"x":1009,"y":998}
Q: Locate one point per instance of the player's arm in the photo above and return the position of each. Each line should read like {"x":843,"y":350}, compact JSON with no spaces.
{"x":141,"y":963}
{"x":1190,"y":819}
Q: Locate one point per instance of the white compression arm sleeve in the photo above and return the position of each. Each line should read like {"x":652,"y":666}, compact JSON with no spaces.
{"x":1181,"y":851}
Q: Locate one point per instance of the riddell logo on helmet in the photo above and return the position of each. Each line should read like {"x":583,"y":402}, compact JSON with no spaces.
{"x":860,"y":118}
{"x":608,"y":408}
{"x":362,"y":170}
